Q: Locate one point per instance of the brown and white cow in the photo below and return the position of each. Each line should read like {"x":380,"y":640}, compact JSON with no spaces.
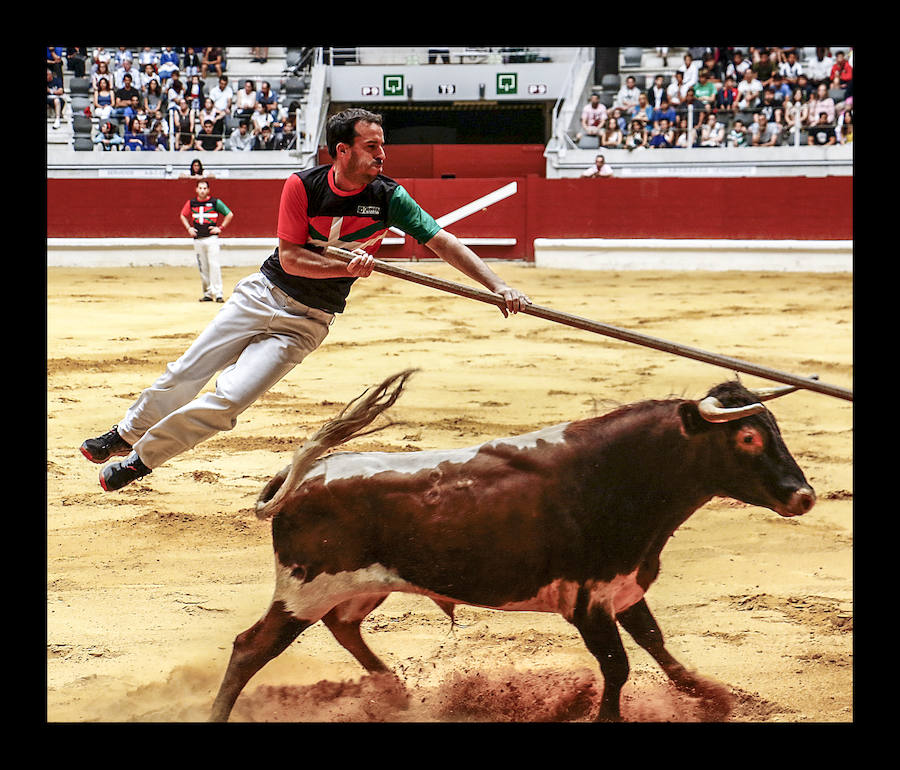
{"x":569,"y":519}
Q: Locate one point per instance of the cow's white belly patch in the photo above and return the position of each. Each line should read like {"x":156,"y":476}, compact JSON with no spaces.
{"x":560,"y":596}
{"x":312,"y":600}
{"x":345,"y":465}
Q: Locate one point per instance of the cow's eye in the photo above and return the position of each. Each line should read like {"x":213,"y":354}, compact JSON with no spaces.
{"x":750,"y":440}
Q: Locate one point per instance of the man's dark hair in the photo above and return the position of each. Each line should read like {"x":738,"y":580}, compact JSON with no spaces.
{"x":341,"y":127}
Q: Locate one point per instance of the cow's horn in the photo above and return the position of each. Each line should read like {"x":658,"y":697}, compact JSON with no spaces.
{"x":766,"y":394}
{"x":711,"y":410}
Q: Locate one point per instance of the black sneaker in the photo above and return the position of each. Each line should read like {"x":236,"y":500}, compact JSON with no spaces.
{"x":117,"y":475}
{"x":220,"y":299}
{"x":204,"y":298}
{"x":110,"y":444}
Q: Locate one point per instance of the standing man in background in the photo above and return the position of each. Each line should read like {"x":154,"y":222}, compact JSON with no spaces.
{"x":200,"y":217}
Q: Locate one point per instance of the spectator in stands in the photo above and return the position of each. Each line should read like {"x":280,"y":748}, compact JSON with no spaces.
{"x":174,"y":96}
{"x":685,"y":135}
{"x":267,"y":97}
{"x":210,"y":112}
{"x":260,"y":54}
{"x":808,"y":89}
{"x":737,"y":66}
{"x":261,"y":117}
{"x":133,"y":110}
{"x":664,"y":136}
{"x":612,"y":137}
{"x":796,"y":114}
{"x":106,"y":137}
{"x":101,"y":55}
{"x":844,"y":129}
{"x":168,"y":63}
{"x":738,"y":136}
{"x":101,"y":70}
{"x":196,"y":171}
{"x":55,"y":60}
{"x":154,"y":98}
{"x":185,"y":127}
{"x":157,"y":139}
{"x":690,"y":70}
{"x":193,"y":92}
{"x":781,"y":89}
{"x":593,"y":118}
{"x":790,"y":69}
{"x":213,"y":61}
{"x":134,"y":137}
{"x":677,"y":89}
{"x":148,"y":56}
{"x":144,"y":77}
{"x":821,"y":102}
{"x":222,"y":95}
{"x":764,"y":67}
{"x":690,"y":107}
{"x":657,"y":92}
{"x":818,"y":69}
{"x":241,"y":140}
{"x":763,"y":133}
{"x":637,"y":137}
{"x":264,"y":140}
{"x":749,"y":91}
{"x":121,"y":55}
{"x":712,"y":132}
{"x":620,"y":119}
{"x":715,"y":68}
{"x":600,"y":169}
{"x":103,"y":98}
{"x":121,"y":71}
{"x":76,"y":60}
{"x":287,"y":138}
{"x":56,"y":95}
{"x":245,"y":101}
{"x":822,"y":132}
{"x":841,"y":71}
{"x":663,"y":53}
{"x":642,"y":111}
{"x":191,"y":64}
{"x":705,"y":90}
{"x":124,"y":98}
{"x":767,"y":105}
{"x":207,"y":139}
{"x":727,"y":97}
{"x":665,"y":111}
{"x":627,"y":96}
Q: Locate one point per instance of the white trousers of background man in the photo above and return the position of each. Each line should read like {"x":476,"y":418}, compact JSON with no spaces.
{"x":207,"y":252}
{"x":258,"y":336}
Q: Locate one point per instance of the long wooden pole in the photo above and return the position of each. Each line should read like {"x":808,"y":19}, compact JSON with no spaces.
{"x":607,"y":330}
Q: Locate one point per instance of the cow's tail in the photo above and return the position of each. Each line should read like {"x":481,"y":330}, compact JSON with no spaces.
{"x":349,"y":424}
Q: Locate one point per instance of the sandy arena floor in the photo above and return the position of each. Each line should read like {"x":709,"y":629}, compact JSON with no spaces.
{"x":147,"y":587}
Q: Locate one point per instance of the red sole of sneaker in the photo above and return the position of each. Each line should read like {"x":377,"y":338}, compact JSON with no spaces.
{"x":88,"y":455}
{"x":102,"y":482}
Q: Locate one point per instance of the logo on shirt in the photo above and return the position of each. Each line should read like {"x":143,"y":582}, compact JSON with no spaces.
{"x":368,"y":211}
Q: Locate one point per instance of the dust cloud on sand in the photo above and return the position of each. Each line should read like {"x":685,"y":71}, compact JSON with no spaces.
{"x":147,"y":587}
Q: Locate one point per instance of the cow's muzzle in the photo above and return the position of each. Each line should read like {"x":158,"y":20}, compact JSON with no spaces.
{"x":800,"y":502}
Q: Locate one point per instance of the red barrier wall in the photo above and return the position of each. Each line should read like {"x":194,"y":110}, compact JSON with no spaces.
{"x":778,"y":208}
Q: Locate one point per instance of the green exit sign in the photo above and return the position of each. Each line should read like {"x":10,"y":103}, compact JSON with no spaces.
{"x":507,"y":83}
{"x":393,"y":85}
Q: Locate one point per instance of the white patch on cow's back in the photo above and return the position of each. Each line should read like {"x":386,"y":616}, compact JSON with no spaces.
{"x":345,"y":465}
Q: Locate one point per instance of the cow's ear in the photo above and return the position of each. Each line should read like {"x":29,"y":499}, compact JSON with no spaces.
{"x":691,"y":420}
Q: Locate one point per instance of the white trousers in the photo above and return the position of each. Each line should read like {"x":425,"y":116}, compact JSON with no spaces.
{"x":207,"y":253}
{"x":257,"y":337}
